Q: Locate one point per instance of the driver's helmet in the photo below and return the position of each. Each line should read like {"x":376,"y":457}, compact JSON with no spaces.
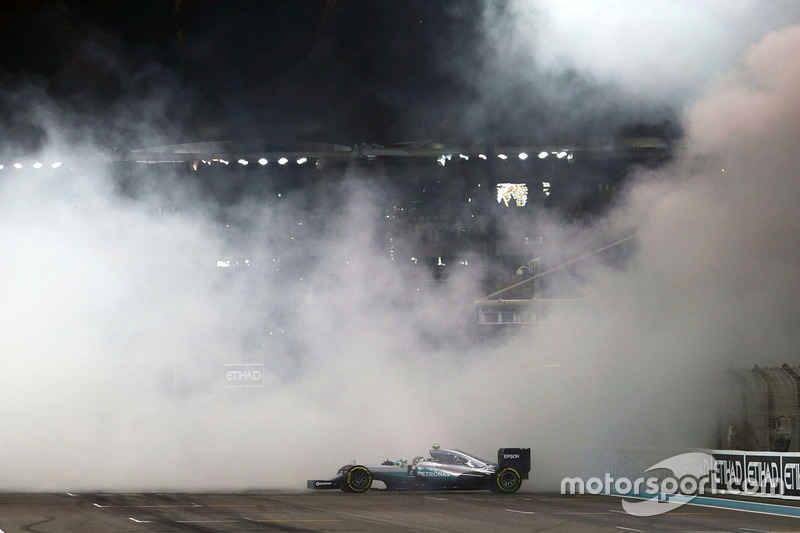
{"x":435,"y":446}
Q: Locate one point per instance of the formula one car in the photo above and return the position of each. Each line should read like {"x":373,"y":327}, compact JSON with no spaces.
{"x":443,"y":470}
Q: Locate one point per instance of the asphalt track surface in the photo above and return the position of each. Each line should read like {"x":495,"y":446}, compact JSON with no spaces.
{"x":334,"y":511}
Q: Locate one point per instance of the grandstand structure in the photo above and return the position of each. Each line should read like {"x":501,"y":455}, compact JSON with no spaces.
{"x":768,"y":410}
{"x":457,"y":202}
{"x":458,"y":196}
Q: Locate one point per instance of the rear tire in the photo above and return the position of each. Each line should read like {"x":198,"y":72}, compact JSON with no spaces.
{"x":507,"y":481}
{"x":357,"y":479}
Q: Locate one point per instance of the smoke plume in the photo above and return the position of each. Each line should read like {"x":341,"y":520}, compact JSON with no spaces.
{"x":117,"y":324}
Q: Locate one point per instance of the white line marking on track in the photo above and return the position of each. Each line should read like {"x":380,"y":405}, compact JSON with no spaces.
{"x":753,"y":530}
{"x":140,"y":521}
{"x":145,"y":506}
{"x":239,"y":505}
{"x":302,"y":520}
{"x":580,"y":513}
{"x":205,"y":521}
{"x":629,"y":528}
{"x":432,"y":498}
{"x":520,"y":512}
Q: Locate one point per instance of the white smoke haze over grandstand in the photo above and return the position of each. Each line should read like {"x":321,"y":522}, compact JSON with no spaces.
{"x":116,"y":323}
{"x":664,"y":52}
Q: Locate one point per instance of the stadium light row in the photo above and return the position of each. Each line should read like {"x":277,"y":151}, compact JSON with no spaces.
{"x":233,"y":153}
{"x":441,"y":158}
{"x":36,"y":165}
{"x":301,"y":159}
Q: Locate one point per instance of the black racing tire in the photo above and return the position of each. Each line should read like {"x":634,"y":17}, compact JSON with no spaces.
{"x":358,"y":479}
{"x":506,"y":481}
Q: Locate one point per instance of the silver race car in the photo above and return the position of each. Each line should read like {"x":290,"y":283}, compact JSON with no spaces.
{"x":443,"y":470}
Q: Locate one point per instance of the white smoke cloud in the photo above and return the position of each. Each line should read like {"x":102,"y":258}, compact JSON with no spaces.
{"x":709,"y":287}
{"x":663,"y":52}
{"x":116,"y":324}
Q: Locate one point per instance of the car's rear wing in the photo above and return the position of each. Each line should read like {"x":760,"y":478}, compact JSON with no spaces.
{"x":517,"y":458}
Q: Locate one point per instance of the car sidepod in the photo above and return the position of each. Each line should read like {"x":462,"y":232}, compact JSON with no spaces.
{"x":434,"y":475}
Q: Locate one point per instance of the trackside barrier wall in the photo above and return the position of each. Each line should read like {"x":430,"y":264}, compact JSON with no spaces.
{"x":767,"y":474}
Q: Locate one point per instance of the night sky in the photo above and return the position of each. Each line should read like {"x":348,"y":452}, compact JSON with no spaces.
{"x":346,"y":71}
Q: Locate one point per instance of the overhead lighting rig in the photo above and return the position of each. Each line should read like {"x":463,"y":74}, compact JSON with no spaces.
{"x":321,"y":155}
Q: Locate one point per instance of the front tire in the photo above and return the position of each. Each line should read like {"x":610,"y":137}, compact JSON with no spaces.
{"x":357,"y":479}
{"x":507,"y":481}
